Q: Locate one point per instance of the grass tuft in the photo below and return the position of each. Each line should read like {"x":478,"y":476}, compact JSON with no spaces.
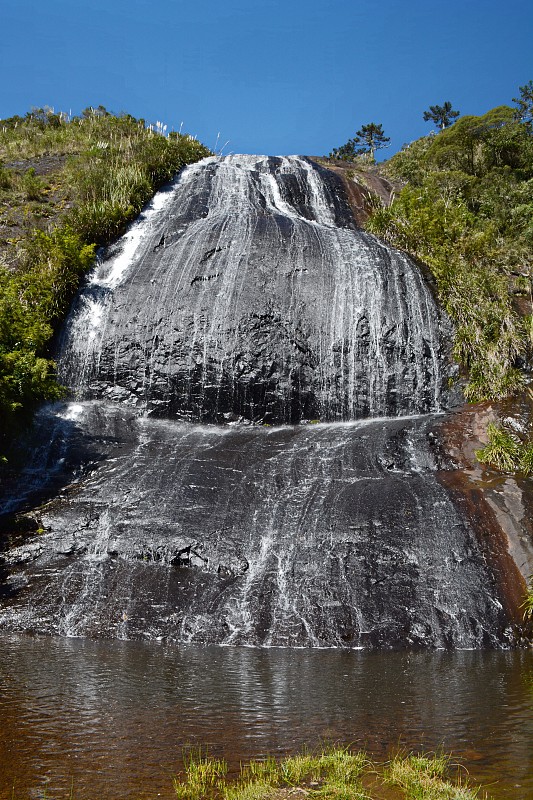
{"x":506,"y":452}
{"x":422,"y":777}
{"x":336,"y":773}
{"x":527,"y":605}
{"x":203,"y":776}
{"x":502,"y":450}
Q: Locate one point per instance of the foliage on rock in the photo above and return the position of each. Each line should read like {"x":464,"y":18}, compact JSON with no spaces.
{"x":32,"y":300}
{"x":507,"y":450}
{"x":466,"y":210}
{"x":503,"y":451}
{"x":527,"y":605}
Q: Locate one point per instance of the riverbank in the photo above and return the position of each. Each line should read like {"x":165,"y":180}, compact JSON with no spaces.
{"x":335,"y":772}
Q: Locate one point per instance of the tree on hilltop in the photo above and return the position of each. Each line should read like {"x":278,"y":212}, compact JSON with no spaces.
{"x":370,"y":138}
{"x":524,"y":112}
{"x":443,"y":116}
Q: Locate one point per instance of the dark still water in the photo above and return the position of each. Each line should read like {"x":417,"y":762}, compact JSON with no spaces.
{"x":111,"y":719}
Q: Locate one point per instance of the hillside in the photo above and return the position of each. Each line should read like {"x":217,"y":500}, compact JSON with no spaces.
{"x":465,"y":209}
{"x":66,"y":187}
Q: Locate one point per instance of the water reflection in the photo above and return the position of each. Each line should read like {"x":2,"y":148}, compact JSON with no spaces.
{"x":113,"y":717}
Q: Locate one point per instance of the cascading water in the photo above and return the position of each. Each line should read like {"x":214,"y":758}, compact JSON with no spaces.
{"x":255,"y":295}
{"x":246,"y":294}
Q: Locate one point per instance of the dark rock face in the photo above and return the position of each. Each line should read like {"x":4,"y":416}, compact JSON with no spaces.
{"x":311,"y":535}
{"x":246,"y":292}
{"x":252,"y":294}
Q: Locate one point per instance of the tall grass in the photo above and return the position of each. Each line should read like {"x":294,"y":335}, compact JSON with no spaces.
{"x":423,"y":777}
{"x":331,"y":773}
{"x":203,"y":777}
{"x":505,"y":451}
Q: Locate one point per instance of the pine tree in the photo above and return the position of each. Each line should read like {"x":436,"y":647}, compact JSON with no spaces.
{"x":443,"y":116}
{"x":371,"y":138}
{"x":367,"y":140}
{"x":524,"y":112}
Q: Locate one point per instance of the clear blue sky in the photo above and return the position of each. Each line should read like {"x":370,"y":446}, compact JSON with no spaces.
{"x":273,"y":76}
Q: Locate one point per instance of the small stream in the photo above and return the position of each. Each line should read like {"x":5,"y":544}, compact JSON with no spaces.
{"x":110,"y":719}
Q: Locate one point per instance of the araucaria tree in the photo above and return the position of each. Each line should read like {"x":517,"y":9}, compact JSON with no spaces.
{"x":524,"y":112}
{"x":370,"y":138}
{"x":443,"y":116}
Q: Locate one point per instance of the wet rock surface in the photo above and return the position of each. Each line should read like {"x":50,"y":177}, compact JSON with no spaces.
{"x":312,"y":535}
{"x":254,"y":294}
{"x":246,"y":294}
{"x":498,"y":505}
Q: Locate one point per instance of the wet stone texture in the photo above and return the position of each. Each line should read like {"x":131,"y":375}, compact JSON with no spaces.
{"x":246,"y":295}
{"x":253,"y":294}
{"x":310,"y":535}
{"x":498,"y":505}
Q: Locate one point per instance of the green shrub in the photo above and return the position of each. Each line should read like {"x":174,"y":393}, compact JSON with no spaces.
{"x":32,"y":301}
{"x":502,"y":450}
{"x":32,"y":185}
{"x":465,"y":211}
{"x":5,"y":178}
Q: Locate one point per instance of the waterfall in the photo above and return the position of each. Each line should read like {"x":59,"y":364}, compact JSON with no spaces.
{"x":246,"y":455}
{"x":252,"y":294}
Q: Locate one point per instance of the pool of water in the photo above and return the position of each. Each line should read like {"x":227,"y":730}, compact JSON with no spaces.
{"x":111,"y":719}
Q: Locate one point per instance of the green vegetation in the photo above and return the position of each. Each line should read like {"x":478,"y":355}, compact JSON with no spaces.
{"x":203,"y":777}
{"x":333,"y":773}
{"x":370,"y":138}
{"x":527,"y":605}
{"x":423,"y":777}
{"x":527,"y":611}
{"x":32,"y":300}
{"x":505,"y":451}
{"x":466,"y":210}
{"x":66,"y":186}
{"x":524,"y":111}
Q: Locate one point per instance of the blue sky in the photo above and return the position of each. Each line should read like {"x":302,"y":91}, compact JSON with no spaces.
{"x":272,"y":76}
